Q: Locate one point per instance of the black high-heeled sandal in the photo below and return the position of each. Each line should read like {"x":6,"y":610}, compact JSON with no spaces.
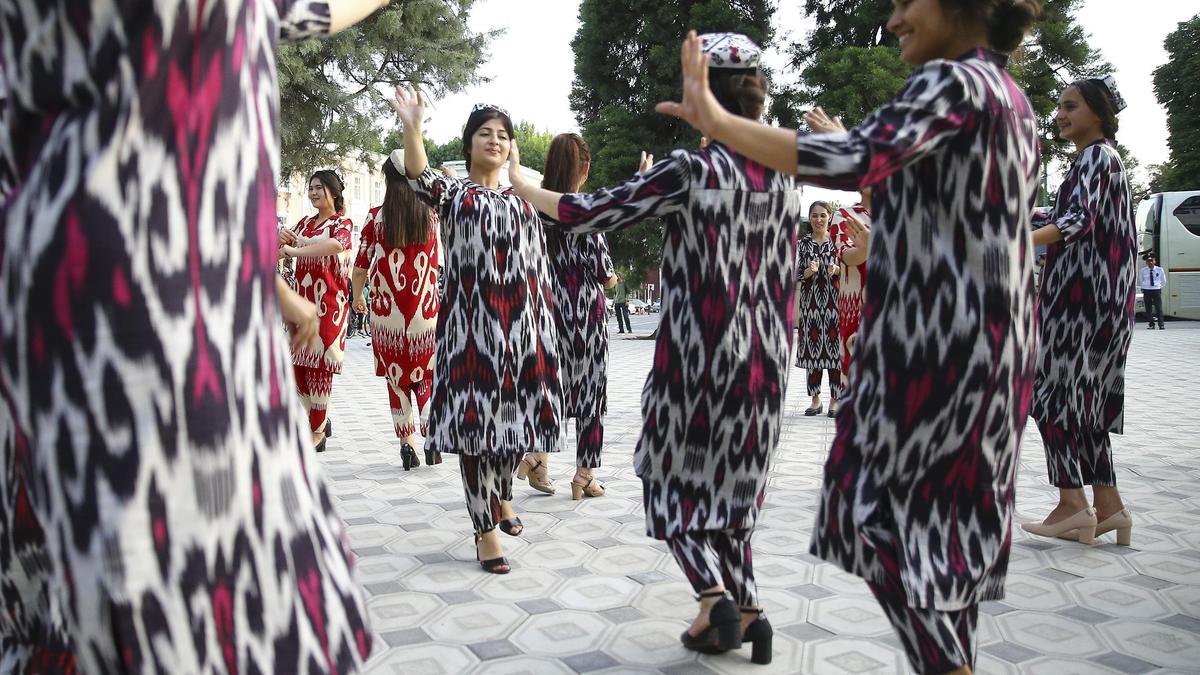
{"x":409,"y":457}
{"x":321,"y":445}
{"x":513,"y":527}
{"x":432,"y":457}
{"x":328,"y":428}
{"x":724,"y":627}
{"x":759,"y":634}
{"x":495,"y":565}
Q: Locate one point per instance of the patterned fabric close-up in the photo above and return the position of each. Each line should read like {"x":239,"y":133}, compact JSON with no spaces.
{"x":147,"y":379}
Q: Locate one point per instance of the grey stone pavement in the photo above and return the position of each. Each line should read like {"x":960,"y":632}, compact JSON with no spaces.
{"x":590,"y":593}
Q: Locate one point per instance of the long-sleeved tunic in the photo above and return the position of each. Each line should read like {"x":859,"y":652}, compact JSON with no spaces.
{"x":712,"y":404}
{"x":924,"y":459}
{"x":581,"y":265}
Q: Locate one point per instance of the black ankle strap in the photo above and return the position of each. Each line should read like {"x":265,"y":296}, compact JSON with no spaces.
{"x":752,"y":610}
{"x":711,"y":594}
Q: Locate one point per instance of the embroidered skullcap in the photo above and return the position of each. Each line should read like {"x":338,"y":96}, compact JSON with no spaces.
{"x":1110,"y":84}
{"x":489,"y":106}
{"x":397,"y":160}
{"x":730,"y":50}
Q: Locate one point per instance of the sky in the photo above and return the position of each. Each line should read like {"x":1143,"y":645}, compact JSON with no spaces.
{"x":530,"y":66}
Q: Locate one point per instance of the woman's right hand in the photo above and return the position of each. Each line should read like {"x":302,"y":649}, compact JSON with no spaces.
{"x":860,"y":234}
{"x":645,"y":162}
{"x":299,"y":315}
{"x":360,"y":305}
{"x":409,"y":105}
{"x":699,"y":107}
{"x":286,"y":237}
{"x":820,"y":121}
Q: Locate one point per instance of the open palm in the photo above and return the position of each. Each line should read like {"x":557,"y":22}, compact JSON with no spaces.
{"x":409,"y":104}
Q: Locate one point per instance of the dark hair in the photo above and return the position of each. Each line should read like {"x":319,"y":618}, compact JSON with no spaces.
{"x":825,"y":205}
{"x":476,"y":120}
{"x":566,"y":159}
{"x":405,"y":218}
{"x":334,"y":187}
{"x":1099,"y":99}
{"x":741,"y":92}
{"x":1007,"y":21}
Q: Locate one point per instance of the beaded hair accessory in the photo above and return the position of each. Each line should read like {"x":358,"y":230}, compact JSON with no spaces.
{"x":1110,"y":83}
{"x":730,"y":50}
{"x":489,"y":106}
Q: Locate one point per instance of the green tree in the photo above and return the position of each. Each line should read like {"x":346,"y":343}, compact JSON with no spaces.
{"x":1177,"y":87}
{"x":329,"y":105}
{"x":626,"y":60}
{"x":850,"y":65}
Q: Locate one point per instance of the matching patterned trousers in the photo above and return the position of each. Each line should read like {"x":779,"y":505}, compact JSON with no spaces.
{"x":315,"y":385}
{"x":487,"y":481}
{"x":1076,"y":457}
{"x":717,"y":558}
{"x":835,"y":382}
{"x":935,"y":641}
{"x":401,"y":396}
{"x":590,"y":432}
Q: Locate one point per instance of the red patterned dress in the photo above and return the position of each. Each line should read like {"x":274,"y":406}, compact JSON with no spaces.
{"x":403,"y":281}
{"x":853,"y":283}
{"x":325,"y":282}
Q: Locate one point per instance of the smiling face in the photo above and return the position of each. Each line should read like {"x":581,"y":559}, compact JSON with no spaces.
{"x":1076,"y":121}
{"x":818,"y":217}
{"x":490,"y":145}
{"x":318,"y":194}
{"x":926,"y":31}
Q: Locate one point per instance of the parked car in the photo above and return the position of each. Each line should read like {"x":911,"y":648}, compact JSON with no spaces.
{"x":637,"y":306}
{"x":655,"y":307}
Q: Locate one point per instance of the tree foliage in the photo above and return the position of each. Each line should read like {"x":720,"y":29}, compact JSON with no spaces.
{"x":329,"y":106}
{"x":626,"y":60}
{"x":1177,"y":87}
{"x":851,"y":65}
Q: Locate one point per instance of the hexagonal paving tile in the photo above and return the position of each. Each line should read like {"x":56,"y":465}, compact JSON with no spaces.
{"x":1029,"y":591}
{"x":1185,"y":598}
{"x":426,"y":659}
{"x":781,"y":571}
{"x":624,"y":559}
{"x":1062,"y":666}
{"x":652,"y":642}
{"x":850,"y":655}
{"x":424,"y":541}
{"x":583,"y":529}
{"x":475,"y":622}
{"x":1173,"y":568}
{"x":523,"y":665}
{"x":402,"y":610}
{"x":597,"y":593}
{"x":556,"y":554}
{"x":372,"y":534}
{"x":561,"y":633}
{"x":849,"y":616}
{"x":667,"y":600}
{"x":1118,"y":599}
{"x":522,"y":584}
{"x":839,"y":582}
{"x":379,"y":568}
{"x":1155,"y":643}
{"x":445,"y":577}
{"x":1091,"y":562}
{"x":1051,"y":634}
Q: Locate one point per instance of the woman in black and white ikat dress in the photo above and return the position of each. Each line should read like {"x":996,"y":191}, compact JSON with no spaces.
{"x":919,"y":484}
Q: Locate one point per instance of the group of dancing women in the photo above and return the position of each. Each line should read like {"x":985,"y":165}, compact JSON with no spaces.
{"x":162,"y":507}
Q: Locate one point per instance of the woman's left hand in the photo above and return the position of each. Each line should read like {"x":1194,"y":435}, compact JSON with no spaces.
{"x":514,"y":165}
{"x":299,"y":315}
{"x":646,"y":162}
{"x":834,"y":270}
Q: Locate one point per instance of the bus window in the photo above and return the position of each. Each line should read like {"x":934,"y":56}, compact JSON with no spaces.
{"x":1188,"y":214}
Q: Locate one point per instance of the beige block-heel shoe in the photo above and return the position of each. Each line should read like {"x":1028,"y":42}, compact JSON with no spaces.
{"x":1084,"y":522}
{"x":1121,"y":521}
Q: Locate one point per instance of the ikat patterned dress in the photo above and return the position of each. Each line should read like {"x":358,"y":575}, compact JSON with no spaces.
{"x":1086,"y":312}
{"x":146,"y":381}
{"x":325,"y":282}
{"x":581,"y":265}
{"x":712,"y":405}
{"x":817,"y":345}
{"x":853,"y":283}
{"x":496,"y":384}
{"x":403,"y":281}
{"x":919,"y":483}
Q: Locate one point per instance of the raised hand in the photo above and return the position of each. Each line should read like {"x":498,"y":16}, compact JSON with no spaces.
{"x":514,"y":165}
{"x":448,"y":171}
{"x":409,"y":105}
{"x":699,"y":107}
{"x":819,"y":121}
{"x":646,"y":161}
{"x":860,"y":234}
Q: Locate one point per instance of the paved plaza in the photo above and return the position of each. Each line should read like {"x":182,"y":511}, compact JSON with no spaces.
{"x":590,"y":593}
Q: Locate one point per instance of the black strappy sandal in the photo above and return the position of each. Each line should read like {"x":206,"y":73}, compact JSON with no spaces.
{"x":495,"y":565}
{"x":724,"y":630}
{"x":513,"y":527}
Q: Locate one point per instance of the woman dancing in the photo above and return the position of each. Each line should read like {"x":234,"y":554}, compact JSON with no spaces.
{"x":321,"y":278}
{"x":919,"y":483}
{"x":1086,"y":313}
{"x":398,"y":253}
{"x":496,"y":389}
{"x":581,"y":269}
{"x":712,"y":406}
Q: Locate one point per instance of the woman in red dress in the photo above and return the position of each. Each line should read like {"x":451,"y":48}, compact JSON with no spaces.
{"x":322,"y":280}
{"x":849,"y":232}
{"x":398,"y":252}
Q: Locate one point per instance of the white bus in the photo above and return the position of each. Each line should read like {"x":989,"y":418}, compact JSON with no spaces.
{"x":1169,"y":223}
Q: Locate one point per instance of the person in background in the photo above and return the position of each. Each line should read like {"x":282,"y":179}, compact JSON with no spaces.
{"x":398,"y":260}
{"x":1151,"y":278}
{"x":818,"y":348}
{"x":323,"y":279}
{"x":1086,"y":310}
{"x":621,"y":305}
